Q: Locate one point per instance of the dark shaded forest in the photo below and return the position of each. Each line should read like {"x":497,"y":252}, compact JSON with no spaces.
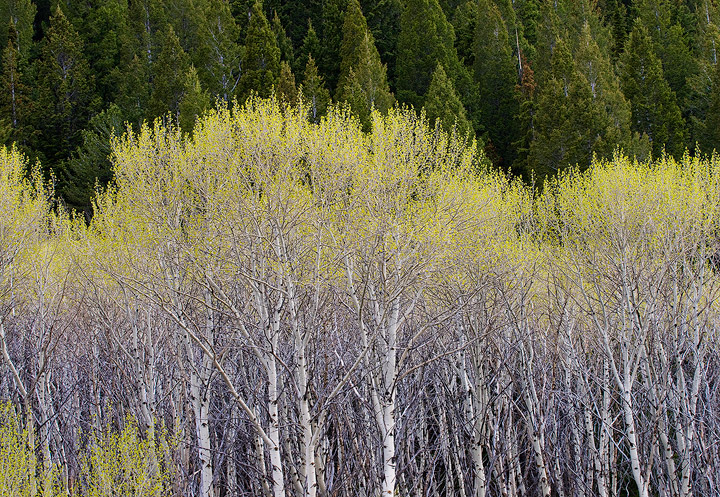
{"x":542,"y":85}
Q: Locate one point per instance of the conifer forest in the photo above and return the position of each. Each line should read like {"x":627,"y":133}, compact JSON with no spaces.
{"x":359,"y":248}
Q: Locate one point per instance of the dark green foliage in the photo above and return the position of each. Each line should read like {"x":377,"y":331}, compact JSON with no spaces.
{"x":654,"y":106}
{"x":426,"y":39}
{"x":711,"y":141}
{"x":333,"y":16}
{"x":194,"y":101}
{"x":310,"y":47}
{"x":314,"y":92}
{"x":443,"y":103}
{"x":15,"y":98}
{"x":65,"y":90}
{"x":169,"y":75}
{"x":285,"y":89}
{"x":496,"y":73}
{"x":218,"y":56}
{"x":21,"y":13}
{"x":363,"y":77}
{"x":284,"y":44}
{"x":90,"y":163}
{"x":261,"y":62}
{"x":109,"y":45}
{"x":465,"y":22}
{"x":383,"y":18}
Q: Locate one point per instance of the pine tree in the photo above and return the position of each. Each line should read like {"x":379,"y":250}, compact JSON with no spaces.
{"x":465,"y":22}
{"x":169,"y":75}
{"x":135,"y":90}
{"x":90,"y":162}
{"x":426,"y":39}
{"x":109,"y":44}
{"x":568,"y":122}
{"x":218,"y":56}
{"x":653,"y":103}
{"x":313,"y":91}
{"x":285,"y":89}
{"x":383,"y":19}
{"x":15,"y":104}
{"x":497,"y":75}
{"x":354,"y":32}
{"x":711,"y":135}
{"x":364,"y":86}
{"x":261,"y":62}
{"x":333,"y":16}
{"x":443,"y":103}
{"x":310,"y":47}
{"x":65,"y":90}
{"x":194,"y":100}
{"x":284,"y":43}
{"x":21,"y":13}
{"x":613,"y":109}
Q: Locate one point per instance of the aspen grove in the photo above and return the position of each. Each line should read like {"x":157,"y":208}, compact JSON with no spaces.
{"x":273,"y":307}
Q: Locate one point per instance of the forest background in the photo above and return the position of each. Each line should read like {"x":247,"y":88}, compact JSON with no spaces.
{"x":542,"y":85}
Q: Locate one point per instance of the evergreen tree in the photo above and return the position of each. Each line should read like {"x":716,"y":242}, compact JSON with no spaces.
{"x":283,"y":42}
{"x":15,"y":104}
{"x":218,"y":56}
{"x":261,"y":62}
{"x":354,"y":32}
{"x":364,"y":86}
{"x":135,"y":90}
{"x":613,"y":109}
{"x":194,"y":100}
{"x":65,"y":90}
{"x":442,"y":103}
{"x":285,"y":89}
{"x":426,"y":39}
{"x":497,"y":76}
{"x":465,"y":22}
{"x":653,"y":104}
{"x":711,"y":135}
{"x":21,"y":13}
{"x":90,"y":162}
{"x":383,"y":19}
{"x":313,"y":91}
{"x":333,"y":16}
{"x":109,"y":45}
{"x":169,"y":76}
{"x":310,"y":47}
{"x":567,"y":120}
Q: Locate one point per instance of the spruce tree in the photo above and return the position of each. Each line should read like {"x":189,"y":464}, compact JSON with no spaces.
{"x":284,"y":43}
{"x":261,"y":62}
{"x":109,"y":45}
{"x":442,"y":103}
{"x":711,"y":135}
{"x":169,"y":75}
{"x":333,"y":16}
{"x":90,"y":162}
{"x":285,"y":88}
{"x":465,"y":22}
{"x":354,"y":32}
{"x":497,"y":75}
{"x":654,"y":107}
{"x":383,"y":18}
{"x":65,"y":90}
{"x":15,"y":104}
{"x":426,"y":38}
{"x":21,"y":13}
{"x":567,"y":122}
{"x":217,"y":58}
{"x":363,"y":84}
{"x":194,"y":100}
{"x":313,"y":91}
{"x":310,"y":47}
